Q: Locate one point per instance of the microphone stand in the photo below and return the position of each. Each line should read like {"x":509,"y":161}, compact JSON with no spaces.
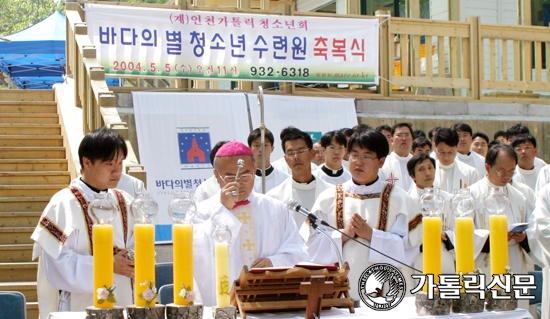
{"x":340,"y":261}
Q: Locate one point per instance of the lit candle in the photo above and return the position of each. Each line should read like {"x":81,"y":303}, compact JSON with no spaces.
{"x":498,"y":227}
{"x":182,"y":236}
{"x":103,"y":261}
{"x":464,"y":228}
{"x":144,"y":261}
{"x":431,"y":247}
{"x":222,"y":274}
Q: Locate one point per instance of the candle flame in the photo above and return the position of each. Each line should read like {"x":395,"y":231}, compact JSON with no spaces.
{"x":143,"y":220}
{"x":101,"y":221}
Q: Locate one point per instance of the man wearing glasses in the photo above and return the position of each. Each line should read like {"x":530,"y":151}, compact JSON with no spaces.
{"x":334,"y":147}
{"x":451,"y":174}
{"x":368,"y":208}
{"x":501,"y":163}
{"x":262,"y":232}
{"x":395,"y":166}
{"x":302,"y":186}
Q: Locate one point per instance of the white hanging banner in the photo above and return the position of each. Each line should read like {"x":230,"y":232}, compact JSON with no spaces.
{"x":141,"y":42}
{"x":176,"y":133}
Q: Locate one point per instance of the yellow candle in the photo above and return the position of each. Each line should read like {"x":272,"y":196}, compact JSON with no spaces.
{"x":103,"y":261}
{"x":464,"y":227}
{"x":431,"y":247}
{"x":222,"y":274}
{"x":498,"y":227}
{"x":144,"y":261}
{"x":182,"y":236}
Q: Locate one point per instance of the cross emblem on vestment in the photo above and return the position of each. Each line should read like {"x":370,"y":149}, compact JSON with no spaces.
{"x":243,"y":218}
{"x":249,"y":245}
{"x":392,"y":179}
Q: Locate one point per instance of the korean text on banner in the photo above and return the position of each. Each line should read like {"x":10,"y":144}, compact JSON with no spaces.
{"x":236,"y":46}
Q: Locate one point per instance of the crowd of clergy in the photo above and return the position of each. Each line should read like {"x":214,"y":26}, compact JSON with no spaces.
{"x":365,"y":181}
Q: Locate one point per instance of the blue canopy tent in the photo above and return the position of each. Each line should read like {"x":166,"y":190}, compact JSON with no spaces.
{"x":35,"y":57}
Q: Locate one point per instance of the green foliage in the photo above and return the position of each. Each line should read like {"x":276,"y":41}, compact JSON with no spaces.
{"x":17,"y":15}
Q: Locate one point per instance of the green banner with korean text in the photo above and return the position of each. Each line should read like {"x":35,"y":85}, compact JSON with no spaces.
{"x":148,"y":42}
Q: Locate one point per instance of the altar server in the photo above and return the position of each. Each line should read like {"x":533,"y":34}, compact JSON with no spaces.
{"x":273,"y":176}
{"x":263,"y":233}
{"x":394,"y":170}
{"x":63,"y":237}
{"x":334,"y":147}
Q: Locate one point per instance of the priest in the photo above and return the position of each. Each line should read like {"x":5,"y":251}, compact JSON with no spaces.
{"x":334,"y":147}
{"x":302,"y":186}
{"x":210,"y":186}
{"x":368,"y":208}
{"x":273,"y":176}
{"x":263,"y":233}
{"x":525,"y":146}
{"x":451,"y":174}
{"x":63,"y":237}
{"x":465,"y":155}
{"x":394,"y":170}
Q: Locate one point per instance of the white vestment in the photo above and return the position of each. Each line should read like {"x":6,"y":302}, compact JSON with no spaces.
{"x":454,"y":176}
{"x":274,"y":179}
{"x":519,"y":211}
{"x":542,"y":219}
{"x":391,"y":224}
{"x":525,"y":191}
{"x":63,"y":243}
{"x":543,"y":178}
{"x":527,"y":176}
{"x":474,"y":160}
{"x":281,"y":165}
{"x":539,"y":162}
{"x":395,"y":171}
{"x":304,"y":193}
{"x":331,"y":176}
{"x":206,"y":189}
{"x":131,"y":185}
{"x":345,"y":164}
{"x":276,"y":237}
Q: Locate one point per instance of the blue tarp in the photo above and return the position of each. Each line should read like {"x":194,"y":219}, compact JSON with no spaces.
{"x":35,"y":57}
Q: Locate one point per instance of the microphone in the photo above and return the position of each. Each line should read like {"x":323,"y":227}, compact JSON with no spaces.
{"x":293,"y":205}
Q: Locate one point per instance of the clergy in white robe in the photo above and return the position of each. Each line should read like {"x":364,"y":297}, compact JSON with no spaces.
{"x":302,"y":186}
{"x":282,"y":165}
{"x":273,"y":176}
{"x":465,"y":155}
{"x":263,"y":234}
{"x":63,"y":239}
{"x":543,"y":178}
{"x":319,"y":158}
{"x":527,"y":172}
{"x":522,"y":247}
{"x":210,"y":186}
{"x":334,"y":147}
{"x":451,"y":174}
{"x":542,"y":220}
{"x":395,"y":166}
{"x":368,"y":208}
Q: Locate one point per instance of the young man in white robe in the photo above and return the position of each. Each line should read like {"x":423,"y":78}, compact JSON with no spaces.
{"x":523,"y":252}
{"x":542,"y":220}
{"x":210,"y":186}
{"x":525,"y":146}
{"x":63,"y":237}
{"x":370,"y":209}
{"x":451,"y":174}
{"x":519,"y":129}
{"x":421,"y":145}
{"x":334,"y":147}
{"x":395,"y":166}
{"x":385,"y":129}
{"x":302,"y":186}
{"x":263,"y":233}
{"x":465,"y":155}
{"x":319,"y":158}
{"x":480,"y":144}
{"x":273,"y":176}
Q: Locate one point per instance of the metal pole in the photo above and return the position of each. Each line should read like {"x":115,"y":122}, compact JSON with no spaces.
{"x":262,"y":132}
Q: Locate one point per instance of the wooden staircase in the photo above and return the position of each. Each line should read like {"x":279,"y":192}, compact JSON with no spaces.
{"x":33,"y":167}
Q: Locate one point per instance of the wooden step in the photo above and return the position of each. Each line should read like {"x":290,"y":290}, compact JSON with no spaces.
{"x":28,"y":288}
{"x":27,"y":204}
{"x":15,"y":235}
{"x":28,"y":107}
{"x":30,"y":129}
{"x":35,"y":178}
{"x":32,"y":152}
{"x":43,"y":118}
{"x":29,"y":190}
{"x":32,"y":310}
{"x":32,"y":165}
{"x":15,"y":272}
{"x":15,"y":253}
{"x":31,"y":140}
{"x":27,"y":95}
{"x":19,"y":219}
